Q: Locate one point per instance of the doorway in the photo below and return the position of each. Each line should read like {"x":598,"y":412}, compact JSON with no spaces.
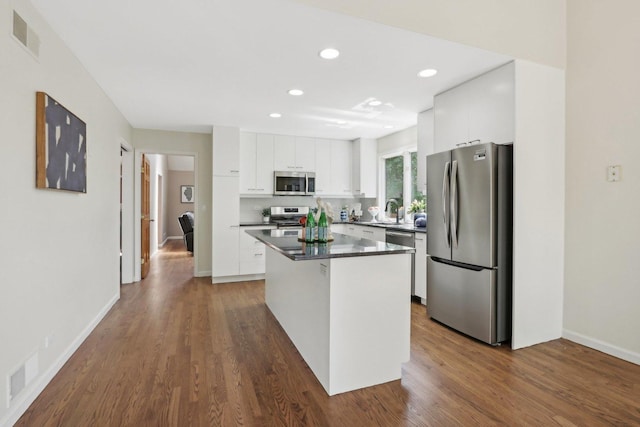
{"x":163,"y":203}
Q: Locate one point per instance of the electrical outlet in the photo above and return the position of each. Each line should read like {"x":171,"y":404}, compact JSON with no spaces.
{"x":48,"y":340}
{"x":613,"y":173}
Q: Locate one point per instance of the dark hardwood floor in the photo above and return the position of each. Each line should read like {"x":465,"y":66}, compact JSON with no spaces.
{"x":179,"y":351}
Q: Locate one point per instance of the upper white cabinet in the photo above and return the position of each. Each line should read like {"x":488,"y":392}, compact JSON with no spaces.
{"x":226,"y":152}
{"x":333,"y":167}
{"x":425,"y":146}
{"x":364,"y":170}
{"x":293,"y":153}
{"x":256,"y":164}
{"x":481,"y":109}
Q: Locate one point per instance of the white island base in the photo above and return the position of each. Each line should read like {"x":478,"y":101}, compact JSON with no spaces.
{"x":349,"y":317}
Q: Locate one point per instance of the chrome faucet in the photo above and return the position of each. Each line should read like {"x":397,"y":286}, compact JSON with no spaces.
{"x":395,"y":202}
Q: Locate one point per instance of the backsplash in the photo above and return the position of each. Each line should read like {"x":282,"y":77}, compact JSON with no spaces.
{"x":251,"y":207}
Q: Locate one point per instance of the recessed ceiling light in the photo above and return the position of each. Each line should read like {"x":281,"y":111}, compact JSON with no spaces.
{"x":375,"y":103}
{"x":341,"y":122}
{"x":275,"y":115}
{"x":295,"y":92}
{"x":429,"y":72}
{"x":388,"y":127}
{"x":329,"y":53}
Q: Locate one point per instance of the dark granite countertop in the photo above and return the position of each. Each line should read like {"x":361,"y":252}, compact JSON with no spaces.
{"x":286,"y":242}
{"x":390,"y":225}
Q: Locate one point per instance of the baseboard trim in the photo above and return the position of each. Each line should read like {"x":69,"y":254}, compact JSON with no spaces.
{"x":29,"y":396}
{"x":232,"y":279}
{"x":602,"y":346}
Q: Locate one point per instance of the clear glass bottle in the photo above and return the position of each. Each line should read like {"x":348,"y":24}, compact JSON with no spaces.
{"x":310,"y":229}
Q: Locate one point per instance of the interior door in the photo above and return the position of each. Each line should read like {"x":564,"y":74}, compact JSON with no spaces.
{"x":145,"y":237}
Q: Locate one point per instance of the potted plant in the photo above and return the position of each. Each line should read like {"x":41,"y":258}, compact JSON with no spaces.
{"x":266,"y":215}
{"x":415,"y":207}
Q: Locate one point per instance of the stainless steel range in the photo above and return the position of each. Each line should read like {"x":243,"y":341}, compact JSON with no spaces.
{"x":288,"y":217}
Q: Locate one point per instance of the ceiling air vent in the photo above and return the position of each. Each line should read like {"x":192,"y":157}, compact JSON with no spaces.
{"x":25,"y":35}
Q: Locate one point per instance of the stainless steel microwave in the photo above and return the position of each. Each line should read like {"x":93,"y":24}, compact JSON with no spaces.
{"x":294,"y":183}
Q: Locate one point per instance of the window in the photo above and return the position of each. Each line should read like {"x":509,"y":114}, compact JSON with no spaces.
{"x":400,"y":177}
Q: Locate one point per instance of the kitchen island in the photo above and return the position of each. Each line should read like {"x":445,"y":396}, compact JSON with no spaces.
{"x":345,"y":305}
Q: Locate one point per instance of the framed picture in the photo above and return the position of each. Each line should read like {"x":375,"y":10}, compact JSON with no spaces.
{"x":61,"y":147}
{"x":187,"y":193}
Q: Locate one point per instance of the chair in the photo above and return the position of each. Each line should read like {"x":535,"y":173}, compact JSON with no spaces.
{"x":186,"y":223}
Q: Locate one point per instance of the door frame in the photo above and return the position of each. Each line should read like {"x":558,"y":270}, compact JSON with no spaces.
{"x":127,"y":219}
{"x":137,"y":244}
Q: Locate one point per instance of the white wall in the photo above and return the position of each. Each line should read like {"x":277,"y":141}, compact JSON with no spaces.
{"x":55,"y":280}
{"x":527,"y":29}
{"x":538,"y":205}
{"x":183,"y":143}
{"x":602,"y":290}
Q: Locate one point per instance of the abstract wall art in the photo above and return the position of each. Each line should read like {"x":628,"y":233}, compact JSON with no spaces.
{"x":187,"y":193}
{"x":61,"y":147}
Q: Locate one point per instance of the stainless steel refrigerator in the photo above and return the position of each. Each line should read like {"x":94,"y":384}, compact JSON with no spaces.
{"x":469,"y":240}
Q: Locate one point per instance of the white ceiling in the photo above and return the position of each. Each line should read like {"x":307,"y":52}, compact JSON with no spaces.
{"x":190,"y":64}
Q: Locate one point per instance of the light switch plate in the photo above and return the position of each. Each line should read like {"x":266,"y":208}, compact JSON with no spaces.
{"x":613,"y":173}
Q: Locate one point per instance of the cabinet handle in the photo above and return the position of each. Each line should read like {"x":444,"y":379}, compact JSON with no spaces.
{"x":257,"y":254}
{"x":234,"y":171}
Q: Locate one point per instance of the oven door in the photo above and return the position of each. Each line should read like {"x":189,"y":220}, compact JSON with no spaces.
{"x":289,"y":183}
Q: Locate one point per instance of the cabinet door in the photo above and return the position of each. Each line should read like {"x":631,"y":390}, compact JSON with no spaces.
{"x":247,"y":162}
{"x":341,"y":152}
{"x":264,"y":164}
{"x":372,"y":233}
{"x":491,"y":101}
{"x":420,"y":266}
{"x":252,"y":252}
{"x":365,"y":168}
{"x":425,"y":146}
{"x":226,"y":218}
{"x":305,"y":154}
{"x":226,"y":152}
{"x":323,"y":166}
{"x":451,"y":119}
{"x":284,"y":153}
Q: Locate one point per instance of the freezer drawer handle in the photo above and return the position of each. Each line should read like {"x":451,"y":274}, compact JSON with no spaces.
{"x":445,"y":202}
{"x":454,"y":204}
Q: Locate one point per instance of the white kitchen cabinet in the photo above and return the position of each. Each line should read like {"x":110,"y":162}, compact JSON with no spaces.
{"x":305,"y":154}
{"x":451,"y":119}
{"x":323,"y":167}
{"x":333,"y":167}
{"x":225,"y":227}
{"x":420,"y":266}
{"x":425,"y":146}
{"x":341,"y":153}
{"x":372,"y":233}
{"x":293,"y":153}
{"x":252,"y":252}
{"x":364,"y":169}
{"x":339,"y":228}
{"x":481,"y":109}
{"x":256,"y":164}
{"x":226,"y":151}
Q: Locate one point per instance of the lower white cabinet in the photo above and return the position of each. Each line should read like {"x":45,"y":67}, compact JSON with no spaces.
{"x":420,"y":267}
{"x":226,"y":218}
{"x":372,"y":233}
{"x":360,"y":231}
{"x":252,"y":252}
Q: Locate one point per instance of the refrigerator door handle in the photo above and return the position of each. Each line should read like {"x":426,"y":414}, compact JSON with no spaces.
{"x":454,"y":204}
{"x":445,"y":202}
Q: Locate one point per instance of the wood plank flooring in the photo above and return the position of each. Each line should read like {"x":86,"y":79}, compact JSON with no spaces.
{"x":178,"y":351}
